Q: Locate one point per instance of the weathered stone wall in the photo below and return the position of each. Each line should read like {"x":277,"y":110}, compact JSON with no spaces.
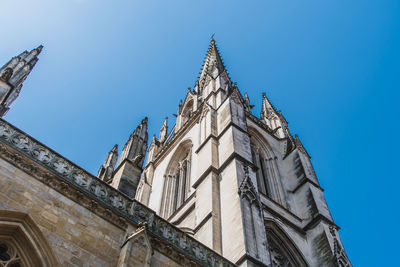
{"x":64,"y":203}
{"x":160,"y":260}
{"x":77,"y":236}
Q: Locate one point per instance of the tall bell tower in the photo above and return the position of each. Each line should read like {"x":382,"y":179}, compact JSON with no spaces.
{"x":240,"y":184}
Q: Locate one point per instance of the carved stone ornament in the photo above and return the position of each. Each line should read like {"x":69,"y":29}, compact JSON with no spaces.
{"x":185,"y":245}
{"x":5,"y":77}
{"x":270,"y":114}
{"x":206,"y":109}
{"x":278,"y":257}
{"x":100,"y":198}
{"x":247,"y":189}
{"x":340,"y":257}
{"x":61,"y":167}
{"x":65,"y":188}
{"x":136,"y":243}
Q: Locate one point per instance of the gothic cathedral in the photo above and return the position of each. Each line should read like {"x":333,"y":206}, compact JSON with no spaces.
{"x":222,"y":187}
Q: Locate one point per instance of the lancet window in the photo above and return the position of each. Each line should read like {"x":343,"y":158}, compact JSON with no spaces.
{"x":177,"y":180}
{"x":268,"y":178}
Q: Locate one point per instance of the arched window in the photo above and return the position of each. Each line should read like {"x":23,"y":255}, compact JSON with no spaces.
{"x":22,"y":244}
{"x":187,"y":111}
{"x":268,"y":179}
{"x":177,"y":180}
{"x":282,"y":250}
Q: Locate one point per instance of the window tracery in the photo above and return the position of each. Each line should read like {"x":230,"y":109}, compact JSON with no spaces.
{"x":268,"y":178}
{"x":187,"y":111}
{"x":176,"y":180}
{"x":283,"y":251}
{"x":22,"y":244}
{"x":9,"y":256}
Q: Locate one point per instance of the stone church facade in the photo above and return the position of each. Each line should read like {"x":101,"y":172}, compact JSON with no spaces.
{"x":222,"y":187}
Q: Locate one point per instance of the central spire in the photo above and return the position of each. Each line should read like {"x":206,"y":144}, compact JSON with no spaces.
{"x":213,"y":65}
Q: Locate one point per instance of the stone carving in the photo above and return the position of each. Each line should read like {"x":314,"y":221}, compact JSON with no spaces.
{"x":269,"y":114}
{"x":195,"y":117}
{"x":211,"y":62}
{"x":247,"y":104}
{"x":107,"y":169}
{"x":340,"y":258}
{"x":9,"y":255}
{"x":185,"y":244}
{"x":136,"y":145}
{"x":13,"y":74}
{"x":247,"y":189}
{"x":278,"y":257}
{"x":100,"y":198}
{"x":206,"y":109}
{"x":142,"y":214}
{"x":136,"y":243}
{"x":164,"y":131}
{"x":268,"y":110}
{"x":5,"y":77}
{"x":172,"y":253}
{"x":59,"y":166}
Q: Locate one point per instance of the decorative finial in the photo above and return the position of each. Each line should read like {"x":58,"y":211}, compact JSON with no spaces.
{"x":39,"y":48}
{"x":212,"y":39}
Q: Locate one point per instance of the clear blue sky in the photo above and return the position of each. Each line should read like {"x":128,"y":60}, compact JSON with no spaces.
{"x":331,"y":66}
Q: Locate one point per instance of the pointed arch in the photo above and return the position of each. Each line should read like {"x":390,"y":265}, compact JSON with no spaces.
{"x":187,"y":109}
{"x":283,"y":250}
{"x":268,"y":178}
{"x":22,"y":241}
{"x":176,"y":187}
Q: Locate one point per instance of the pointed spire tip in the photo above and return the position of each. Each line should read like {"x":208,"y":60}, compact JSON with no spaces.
{"x":39,"y":49}
{"x":144,"y":121}
{"x":115,"y":148}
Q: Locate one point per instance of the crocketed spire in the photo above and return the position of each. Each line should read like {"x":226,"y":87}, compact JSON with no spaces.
{"x":12,"y":76}
{"x":213,"y":66}
{"x":136,"y":146}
